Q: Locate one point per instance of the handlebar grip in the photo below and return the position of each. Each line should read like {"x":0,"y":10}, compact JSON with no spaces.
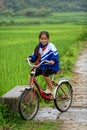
{"x":28,"y":59}
{"x":36,"y":66}
{"x":46,"y":61}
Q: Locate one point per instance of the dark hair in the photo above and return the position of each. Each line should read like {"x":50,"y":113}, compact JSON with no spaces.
{"x":44,"y":32}
{"x":36,"y":51}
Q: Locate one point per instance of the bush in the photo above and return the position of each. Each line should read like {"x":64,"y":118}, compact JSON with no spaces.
{"x":7,"y":118}
{"x":36,"y":12}
{"x":83,"y":37}
{"x":3,"y":111}
{"x":7,"y":12}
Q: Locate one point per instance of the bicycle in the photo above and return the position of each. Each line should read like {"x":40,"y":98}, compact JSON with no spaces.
{"x":29,"y":99}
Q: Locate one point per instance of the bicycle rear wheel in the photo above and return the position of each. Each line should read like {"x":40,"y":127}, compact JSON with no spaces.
{"x":63,"y":96}
{"x":28,"y":104}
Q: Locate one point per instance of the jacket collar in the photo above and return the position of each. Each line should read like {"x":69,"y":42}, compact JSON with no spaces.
{"x":42,"y":46}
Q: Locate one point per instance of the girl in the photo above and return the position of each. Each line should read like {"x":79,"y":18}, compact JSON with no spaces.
{"x":46,"y":51}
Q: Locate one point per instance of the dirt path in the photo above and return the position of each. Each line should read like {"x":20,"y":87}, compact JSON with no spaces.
{"x":80,"y":81}
{"x":79,"y":96}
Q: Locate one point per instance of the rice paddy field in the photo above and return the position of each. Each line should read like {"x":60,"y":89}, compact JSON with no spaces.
{"x":17,"y":42}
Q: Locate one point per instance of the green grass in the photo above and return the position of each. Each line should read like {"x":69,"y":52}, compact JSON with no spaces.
{"x":13,"y":121}
{"x":33,"y":125}
{"x":18,"y":42}
{"x":51,"y":19}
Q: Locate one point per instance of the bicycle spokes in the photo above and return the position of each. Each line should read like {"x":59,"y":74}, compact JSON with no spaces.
{"x":29,"y":104}
{"x":63,"y":96}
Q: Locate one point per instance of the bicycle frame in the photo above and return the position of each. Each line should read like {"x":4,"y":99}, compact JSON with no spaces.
{"x":41,"y":92}
{"x":45,"y":96}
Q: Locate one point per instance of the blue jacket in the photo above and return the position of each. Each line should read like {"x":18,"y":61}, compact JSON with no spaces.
{"x":49,"y":53}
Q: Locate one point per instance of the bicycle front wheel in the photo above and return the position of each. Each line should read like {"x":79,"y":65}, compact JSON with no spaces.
{"x":63,"y":96}
{"x":28,"y":104}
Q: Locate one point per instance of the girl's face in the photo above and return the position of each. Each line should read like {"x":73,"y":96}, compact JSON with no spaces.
{"x":43,"y":39}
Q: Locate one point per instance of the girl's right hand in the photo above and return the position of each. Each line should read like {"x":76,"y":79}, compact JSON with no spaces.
{"x":28,"y":59}
{"x":51,"y":62}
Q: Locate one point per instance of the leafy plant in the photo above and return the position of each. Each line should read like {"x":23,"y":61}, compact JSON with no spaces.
{"x":41,"y":12}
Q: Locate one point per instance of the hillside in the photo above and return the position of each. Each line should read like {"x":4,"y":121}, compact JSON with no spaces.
{"x":15,"y":7}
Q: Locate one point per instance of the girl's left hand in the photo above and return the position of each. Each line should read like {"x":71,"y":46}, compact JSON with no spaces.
{"x":51,"y":62}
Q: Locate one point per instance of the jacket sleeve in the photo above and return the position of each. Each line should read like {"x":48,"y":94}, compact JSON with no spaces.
{"x":54,"y":54}
{"x":54,"y":57}
{"x":33,"y":57}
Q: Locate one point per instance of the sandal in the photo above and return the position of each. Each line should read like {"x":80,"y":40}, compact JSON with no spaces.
{"x":47,"y":91}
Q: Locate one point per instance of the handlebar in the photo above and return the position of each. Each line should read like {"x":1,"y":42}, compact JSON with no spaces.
{"x":36,"y":66}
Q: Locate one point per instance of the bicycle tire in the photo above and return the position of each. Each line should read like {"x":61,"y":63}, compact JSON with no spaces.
{"x":28,"y":104}
{"x":63,"y":103}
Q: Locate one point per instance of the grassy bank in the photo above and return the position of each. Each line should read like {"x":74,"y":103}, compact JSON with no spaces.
{"x":12,"y":121}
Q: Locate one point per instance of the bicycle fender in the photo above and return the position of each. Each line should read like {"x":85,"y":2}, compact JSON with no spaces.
{"x":63,"y":81}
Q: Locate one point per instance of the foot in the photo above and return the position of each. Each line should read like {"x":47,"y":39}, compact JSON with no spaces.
{"x":47,"y":91}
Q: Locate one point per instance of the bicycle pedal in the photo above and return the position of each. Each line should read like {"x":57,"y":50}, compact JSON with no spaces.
{"x":29,"y":87}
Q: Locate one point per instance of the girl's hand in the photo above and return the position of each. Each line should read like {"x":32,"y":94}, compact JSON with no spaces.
{"x":28,"y":59}
{"x":51,"y":62}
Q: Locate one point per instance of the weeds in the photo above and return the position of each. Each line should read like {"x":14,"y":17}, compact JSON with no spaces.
{"x":12,"y":121}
